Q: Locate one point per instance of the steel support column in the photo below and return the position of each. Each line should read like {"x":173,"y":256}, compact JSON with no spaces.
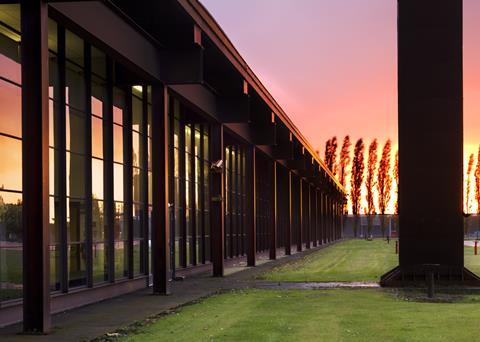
{"x":35,"y":205}
{"x":288,"y":228}
{"x":160,"y":183}
{"x":274,"y":212}
{"x":300,"y":216}
{"x":251,"y":205}
{"x":217,"y":194}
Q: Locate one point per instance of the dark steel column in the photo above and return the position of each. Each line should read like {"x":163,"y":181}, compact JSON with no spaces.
{"x":217,"y":194}
{"x":192,"y":204}
{"x":128,"y":177}
{"x":274,"y":211}
{"x":314,"y":216}
{"x":251,"y":205}
{"x":35,"y":206}
{"x":201,"y":195}
{"x":430,"y":107}
{"x":288,"y":228}
{"x":182,"y":189}
{"x":300,"y":215}
{"x":160,"y":176}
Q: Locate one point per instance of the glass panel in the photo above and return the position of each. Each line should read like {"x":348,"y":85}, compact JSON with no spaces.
{"x":10,"y":109}
{"x":100,"y":252}
{"x":11,"y":246}
{"x":97,"y":137}
{"x":149,"y":120}
{"x":75,"y":91}
{"x":120,"y":235}
{"x":11,"y":165}
{"x":52,"y":36}
{"x":75,"y":175}
{"x":149,"y":141}
{"x":150,"y":198}
{"x":118,"y":143}
{"x":99,"y":63}
{"x":75,"y":131}
{"x":53,"y":172}
{"x":118,"y":182}
{"x":136,"y":149}
{"x":138,"y":238}
{"x":54,"y":244}
{"x":136,"y":185}
{"x":97,"y":178}
{"x":74,"y":48}
{"x":76,"y":242}
{"x":118,"y":105}
{"x":137,"y":114}
{"x":10,"y":43}
{"x":98,"y":97}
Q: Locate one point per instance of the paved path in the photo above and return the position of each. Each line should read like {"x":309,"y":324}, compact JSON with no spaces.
{"x":95,"y":320}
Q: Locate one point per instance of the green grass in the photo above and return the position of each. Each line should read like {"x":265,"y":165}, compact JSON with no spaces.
{"x":315,"y":315}
{"x":352,"y":260}
{"x":472,"y":262}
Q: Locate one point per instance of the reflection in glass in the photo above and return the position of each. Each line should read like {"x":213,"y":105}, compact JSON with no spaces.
{"x":118,"y":143}
{"x":74,"y":48}
{"x":118,"y":182}
{"x":11,"y":165}
{"x":10,"y":109}
{"x":136,"y":149}
{"x":76,"y":242}
{"x":97,"y":137}
{"x":120,"y":235}
{"x":97,"y":178}
{"x":99,"y":238}
{"x":10,"y":43}
{"x":11,"y":246}
{"x":75,"y":91}
{"x":54,"y":228}
{"x":75,"y":175}
{"x":75,"y":125}
{"x":137,"y":114}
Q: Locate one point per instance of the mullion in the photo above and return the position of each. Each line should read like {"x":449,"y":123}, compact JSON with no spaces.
{"x":237,"y":200}
{"x":192,"y":207}
{"x":109,"y":205}
{"x":242,"y":202}
{"x":201,"y":194}
{"x":230,"y":204}
{"x":61,"y":137}
{"x":182,"y":191}
{"x":144,"y":185}
{"x":128,"y":180}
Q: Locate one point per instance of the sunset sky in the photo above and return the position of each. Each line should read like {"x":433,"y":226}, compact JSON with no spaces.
{"x":331,"y":64}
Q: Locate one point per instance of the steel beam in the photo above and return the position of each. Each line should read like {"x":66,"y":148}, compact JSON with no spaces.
{"x":35,"y":206}
{"x":160,"y":184}
{"x":217,"y":195}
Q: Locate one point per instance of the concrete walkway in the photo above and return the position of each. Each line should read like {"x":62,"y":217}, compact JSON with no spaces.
{"x":95,"y":320}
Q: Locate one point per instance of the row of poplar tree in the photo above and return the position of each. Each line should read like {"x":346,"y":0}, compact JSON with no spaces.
{"x":372,"y":173}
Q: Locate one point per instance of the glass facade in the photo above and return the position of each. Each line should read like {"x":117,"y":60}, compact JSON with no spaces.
{"x":191,"y":203}
{"x":10,"y":154}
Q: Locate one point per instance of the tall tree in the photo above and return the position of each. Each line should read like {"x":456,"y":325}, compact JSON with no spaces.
{"x":384,"y":181}
{"x":370,"y":181}
{"x":395,"y":174}
{"x":344,"y":160}
{"x":468,"y":203}
{"x":331,"y":154}
{"x":477,"y":182}
{"x":356,"y":181}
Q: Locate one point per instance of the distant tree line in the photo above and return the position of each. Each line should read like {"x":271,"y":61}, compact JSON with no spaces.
{"x":376,"y":174}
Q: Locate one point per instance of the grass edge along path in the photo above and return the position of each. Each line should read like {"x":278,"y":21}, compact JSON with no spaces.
{"x":321,"y":315}
{"x":354,"y":260}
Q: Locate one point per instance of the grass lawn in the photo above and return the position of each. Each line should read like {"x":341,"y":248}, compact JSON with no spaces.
{"x":472,"y":262}
{"x":316,"y":315}
{"x":351,"y":260}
